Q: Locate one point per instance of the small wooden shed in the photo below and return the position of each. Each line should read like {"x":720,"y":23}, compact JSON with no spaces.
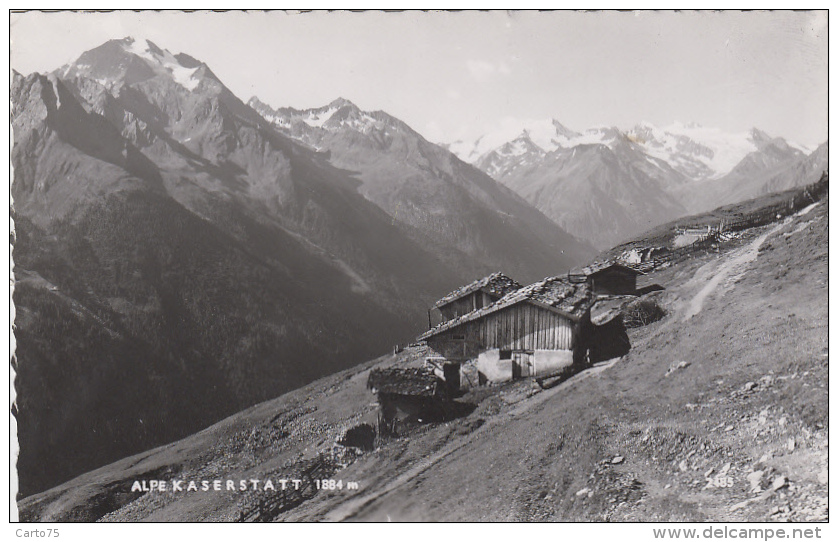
{"x":406,"y":396}
{"x":608,"y":278}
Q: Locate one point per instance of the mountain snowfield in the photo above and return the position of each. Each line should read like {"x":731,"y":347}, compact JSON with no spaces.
{"x":128,"y":52}
{"x":685,"y":168}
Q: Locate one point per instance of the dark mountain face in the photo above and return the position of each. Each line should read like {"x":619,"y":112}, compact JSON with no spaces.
{"x":773,"y":164}
{"x":179,"y":259}
{"x":445,"y":203}
{"x":502,"y":162}
{"x":604,"y":193}
{"x":799,"y":172}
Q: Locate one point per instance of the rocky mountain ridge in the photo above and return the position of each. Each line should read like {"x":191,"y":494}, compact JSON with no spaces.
{"x":178,"y":258}
{"x":668,"y":172}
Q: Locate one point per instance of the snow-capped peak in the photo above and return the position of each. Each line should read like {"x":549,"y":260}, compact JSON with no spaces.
{"x":130,"y":60}
{"x":695,"y":151}
{"x":521,"y":145}
{"x":310,"y":125}
{"x":339,"y":102}
{"x":316,"y":118}
{"x":547,"y":134}
{"x":149,"y":51}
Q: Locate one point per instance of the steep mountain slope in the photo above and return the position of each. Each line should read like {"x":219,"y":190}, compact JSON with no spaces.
{"x":521,"y":152}
{"x":800,"y":172}
{"x":547,"y":134}
{"x":748,"y":177}
{"x":694,"y":150}
{"x":666,"y":173}
{"x":178,"y":259}
{"x":461,"y":213}
{"x":123,"y":288}
{"x":604,"y":191}
{"x":715,"y":415}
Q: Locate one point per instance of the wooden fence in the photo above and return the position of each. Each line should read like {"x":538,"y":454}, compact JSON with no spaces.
{"x":274,"y":503}
{"x":714,"y":240}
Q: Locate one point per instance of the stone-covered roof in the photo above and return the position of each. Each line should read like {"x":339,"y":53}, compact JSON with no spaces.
{"x":553,"y":293}
{"x":608,"y":307}
{"x":596,"y":267}
{"x":496,"y":284}
{"x":399,"y":381}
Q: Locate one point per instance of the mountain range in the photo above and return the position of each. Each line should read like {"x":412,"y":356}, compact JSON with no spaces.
{"x":606,"y":184}
{"x":424,"y":187}
{"x":181,"y":255}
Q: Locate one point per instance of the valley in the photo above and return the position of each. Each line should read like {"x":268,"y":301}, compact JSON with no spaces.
{"x":714,"y":415}
{"x":205,"y":256}
{"x":202,"y":286}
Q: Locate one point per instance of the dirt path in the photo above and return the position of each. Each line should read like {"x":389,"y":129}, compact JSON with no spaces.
{"x":734,"y":266}
{"x":349,"y":508}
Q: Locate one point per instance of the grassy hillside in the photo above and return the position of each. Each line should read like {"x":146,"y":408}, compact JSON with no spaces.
{"x":719,"y":413}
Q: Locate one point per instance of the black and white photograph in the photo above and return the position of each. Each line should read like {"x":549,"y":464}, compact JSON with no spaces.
{"x":421,"y":266}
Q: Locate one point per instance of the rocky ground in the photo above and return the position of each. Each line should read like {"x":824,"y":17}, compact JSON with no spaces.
{"x":718,"y":413}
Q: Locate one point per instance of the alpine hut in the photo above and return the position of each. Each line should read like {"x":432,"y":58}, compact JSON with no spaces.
{"x":478,"y":294}
{"x":608,"y":278}
{"x":532,"y":331}
{"x":406,"y":396}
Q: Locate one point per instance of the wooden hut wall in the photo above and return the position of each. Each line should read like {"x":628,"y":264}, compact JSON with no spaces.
{"x":526,"y":327}
{"x":473,"y":301}
{"x":614,"y":282}
{"x":458,"y":307}
{"x":519,"y":327}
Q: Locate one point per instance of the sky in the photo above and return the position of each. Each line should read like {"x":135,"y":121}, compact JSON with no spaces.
{"x":460,"y":75}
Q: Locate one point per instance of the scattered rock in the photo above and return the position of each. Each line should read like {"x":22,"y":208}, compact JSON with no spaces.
{"x":768,"y":456}
{"x":683,"y":465}
{"x":729,"y":428}
{"x":617,"y":460}
{"x":779,"y":483}
{"x":583,"y":492}
{"x":677,"y":365}
{"x":749,"y":386}
{"x":739,"y":506}
{"x":790,"y":445}
{"x":754,"y":479}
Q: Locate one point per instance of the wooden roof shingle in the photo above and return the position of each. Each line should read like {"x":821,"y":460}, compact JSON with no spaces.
{"x":497,"y":284}
{"x":403,"y":381}
{"x":553,"y":293}
{"x":598,"y":267}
